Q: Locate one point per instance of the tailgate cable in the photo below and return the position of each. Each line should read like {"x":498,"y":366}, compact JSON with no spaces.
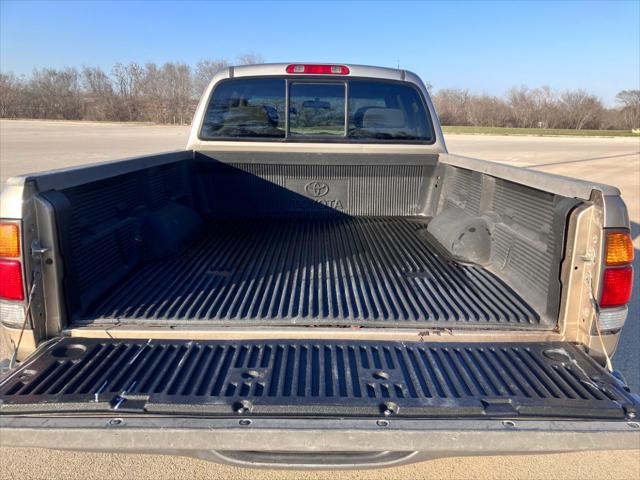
{"x":596,"y":309}
{"x":36,"y":275}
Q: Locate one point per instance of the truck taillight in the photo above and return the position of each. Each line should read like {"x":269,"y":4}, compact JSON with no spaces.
{"x":619,"y":249}
{"x":9,"y":240}
{"x":11,"y":280}
{"x":617,"y":284}
{"x":11,"y":285}
{"x":617,"y":280}
{"x":318,"y":69}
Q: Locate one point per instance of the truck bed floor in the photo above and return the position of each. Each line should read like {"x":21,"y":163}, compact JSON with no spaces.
{"x":368,"y":271}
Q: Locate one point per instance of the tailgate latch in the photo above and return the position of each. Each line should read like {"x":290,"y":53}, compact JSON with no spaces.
{"x":37,"y":249}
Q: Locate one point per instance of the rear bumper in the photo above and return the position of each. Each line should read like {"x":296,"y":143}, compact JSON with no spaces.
{"x":303,"y":443}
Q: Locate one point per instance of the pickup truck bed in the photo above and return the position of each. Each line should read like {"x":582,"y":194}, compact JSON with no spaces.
{"x":243,"y":242}
{"x":314,"y":282}
{"x":370,"y":271}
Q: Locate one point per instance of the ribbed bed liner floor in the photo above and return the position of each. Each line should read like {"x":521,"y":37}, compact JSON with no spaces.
{"x":369,"y":271}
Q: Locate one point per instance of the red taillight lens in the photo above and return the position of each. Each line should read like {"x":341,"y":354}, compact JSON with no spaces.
{"x":318,"y":69}
{"x":11,"y":280}
{"x":617,"y":284}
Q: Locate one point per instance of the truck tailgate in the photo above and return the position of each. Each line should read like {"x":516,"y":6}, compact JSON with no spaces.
{"x":315,"y":378}
{"x":314,"y":404}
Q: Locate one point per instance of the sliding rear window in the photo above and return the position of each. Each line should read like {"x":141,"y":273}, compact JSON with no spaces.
{"x":242,"y":108}
{"x":325,"y":110}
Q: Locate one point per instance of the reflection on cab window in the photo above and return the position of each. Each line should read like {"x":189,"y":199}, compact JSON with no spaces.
{"x":247,"y":108}
{"x":378,"y":111}
{"x":386,"y":111}
{"x":316,"y":109}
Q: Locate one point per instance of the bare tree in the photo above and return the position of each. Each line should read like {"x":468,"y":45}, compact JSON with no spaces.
{"x":204,"y":72}
{"x":488,"y":111}
{"x":128,"y":81}
{"x":630,"y":101}
{"x":153,"y":92}
{"x":206,"y":69}
{"x":522,"y":104}
{"x":177,"y":90}
{"x":99,"y":96}
{"x":12,"y":96}
{"x":452,"y":106}
{"x":250,"y":58}
{"x":545,"y":103}
{"x":55,"y":94}
{"x":581,"y":110}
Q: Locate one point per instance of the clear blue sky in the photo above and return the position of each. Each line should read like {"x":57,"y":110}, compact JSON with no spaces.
{"x":481,"y":46}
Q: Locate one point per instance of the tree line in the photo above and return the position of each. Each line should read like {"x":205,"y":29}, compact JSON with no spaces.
{"x":131,"y":92}
{"x":538,"y":108}
{"x":169,"y":93}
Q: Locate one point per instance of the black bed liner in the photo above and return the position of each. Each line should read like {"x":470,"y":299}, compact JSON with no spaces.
{"x":367,"y":271}
{"x":315,"y":378}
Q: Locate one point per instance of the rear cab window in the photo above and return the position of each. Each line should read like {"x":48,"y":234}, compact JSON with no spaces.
{"x":304,"y":109}
{"x":246,"y":108}
{"x":316,"y":109}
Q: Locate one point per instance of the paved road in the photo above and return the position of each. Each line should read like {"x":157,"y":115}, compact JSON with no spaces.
{"x":27,"y":146}
{"x":33,"y":145}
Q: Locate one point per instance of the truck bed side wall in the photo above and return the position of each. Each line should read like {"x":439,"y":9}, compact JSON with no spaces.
{"x":518,"y":232}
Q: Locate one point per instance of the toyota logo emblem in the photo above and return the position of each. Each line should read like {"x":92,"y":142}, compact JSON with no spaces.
{"x":317,"y":189}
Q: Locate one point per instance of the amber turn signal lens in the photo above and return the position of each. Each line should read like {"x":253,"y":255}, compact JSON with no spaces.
{"x":619,"y":248}
{"x":9,"y":240}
